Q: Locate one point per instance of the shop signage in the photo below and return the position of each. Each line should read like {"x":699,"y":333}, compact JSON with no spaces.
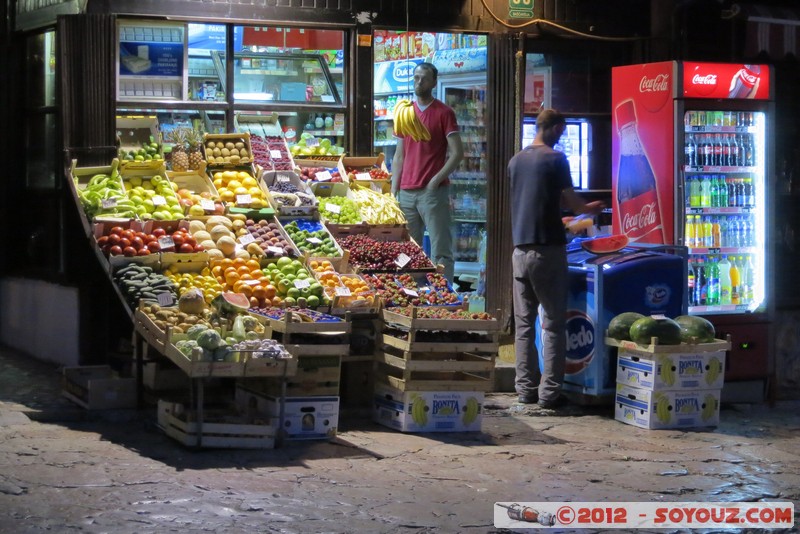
{"x":155,"y":51}
{"x":520,"y":9}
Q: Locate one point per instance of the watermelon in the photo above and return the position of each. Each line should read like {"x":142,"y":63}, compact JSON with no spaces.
{"x":620,"y":326}
{"x":605,"y":245}
{"x":666,"y":330}
{"x":229,"y":302}
{"x":695,"y":329}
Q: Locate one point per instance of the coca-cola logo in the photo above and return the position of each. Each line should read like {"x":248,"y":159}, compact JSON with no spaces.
{"x":748,"y":77}
{"x":635,"y":223}
{"x":708,"y":79}
{"x":652,"y":85}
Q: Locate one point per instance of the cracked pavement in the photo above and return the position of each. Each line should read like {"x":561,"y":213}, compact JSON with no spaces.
{"x":66,"y":470}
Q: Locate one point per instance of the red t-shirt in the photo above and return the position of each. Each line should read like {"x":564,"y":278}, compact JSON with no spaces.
{"x":423,"y":159}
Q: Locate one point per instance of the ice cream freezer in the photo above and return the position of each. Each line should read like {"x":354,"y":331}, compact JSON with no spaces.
{"x":646,"y":279}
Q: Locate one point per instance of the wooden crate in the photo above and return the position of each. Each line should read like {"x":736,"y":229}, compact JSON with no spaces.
{"x":288,"y":325}
{"x":413,"y":322}
{"x":654,"y":347}
{"x":250,"y":367}
{"x":97,"y":387}
{"x":243,"y":137}
{"x":151,"y":333}
{"x":221,"y":429}
{"x":444,"y":345}
{"x":437,"y":361}
{"x":316,"y":375}
{"x":408,"y":380}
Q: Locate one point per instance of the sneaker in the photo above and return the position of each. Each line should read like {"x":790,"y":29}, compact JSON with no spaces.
{"x":532,"y":398}
{"x":558,"y":402}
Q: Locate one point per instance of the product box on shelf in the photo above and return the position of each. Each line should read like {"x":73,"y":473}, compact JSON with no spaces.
{"x":314,"y":417}
{"x":220,"y":428}
{"x":287,"y":193}
{"x":97,"y":387}
{"x":134,"y":132}
{"x":645,"y":408}
{"x":428,"y":411}
{"x":258,"y":123}
{"x":677,"y":370}
{"x":228,"y":150}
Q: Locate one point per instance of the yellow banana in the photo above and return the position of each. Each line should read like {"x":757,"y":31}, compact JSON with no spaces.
{"x":471,"y":411}
{"x":418,"y":411}
{"x":662,"y":408}
{"x":709,"y":407}
{"x":714,"y":368}
{"x":667,"y":372}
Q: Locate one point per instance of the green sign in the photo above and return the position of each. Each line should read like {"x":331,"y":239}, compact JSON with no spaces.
{"x":520,"y":9}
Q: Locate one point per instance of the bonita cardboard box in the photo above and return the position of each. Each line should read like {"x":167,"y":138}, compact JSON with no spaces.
{"x":428,"y":411}
{"x":666,"y":371}
{"x":667,"y":409}
{"x":304,"y":417}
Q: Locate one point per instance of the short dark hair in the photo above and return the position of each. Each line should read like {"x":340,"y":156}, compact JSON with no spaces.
{"x":548,"y":118}
{"x":430,"y":67}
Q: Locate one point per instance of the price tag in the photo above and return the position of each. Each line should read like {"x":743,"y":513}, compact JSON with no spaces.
{"x":246,"y":239}
{"x":301,"y":284}
{"x":244,"y":199}
{"x":363,"y":176}
{"x":658,"y":317}
{"x":165,"y":299}
{"x":311,"y":143}
{"x":276,"y":250}
{"x":314,"y":240}
{"x":410,"y":292}
{"x":252,"y":282}
{"x":283,"y":178}
{"x":108,"y":203}
{"x":275,"y":154}
{"x":323,"y":176}
{"x":377,"y":188}
{"x":334,"y":208}
{"x":208,"y":205}
{"x":166,"y":242}
{"x":402,"y":260}
{"x":342,"y":291}
{"x":159,"y":200}
{"x":328,"y":98}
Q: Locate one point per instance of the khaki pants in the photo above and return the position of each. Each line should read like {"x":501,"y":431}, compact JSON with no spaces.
{"x":432,"y":211}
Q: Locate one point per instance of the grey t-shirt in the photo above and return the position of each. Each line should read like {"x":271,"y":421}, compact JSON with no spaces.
{"x":538,"y":176}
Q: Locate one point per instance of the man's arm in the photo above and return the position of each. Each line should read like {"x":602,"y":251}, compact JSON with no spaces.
{"x":455,"y":153}
{"x":397,"y":166}
{"x":574,"y":202}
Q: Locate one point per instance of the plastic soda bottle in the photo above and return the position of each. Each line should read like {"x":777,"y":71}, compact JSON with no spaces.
{"x":705,"y":192}
{"x":690,"y":284}
{"x":712,"y":274}
{"x":699,"y":236}
{"x":701,"y":283}
{"x":735,"y":281}
{"x":694,"y":192}
{"x":725,"y":281}
{"x":723,"y":192}
{"x":637,"y":191}
{"x":749,"y":282}
{"x":714,"y":192}
{"x":708,"y":236}
{"x":690,"y":232}
{"x":716,"y":238}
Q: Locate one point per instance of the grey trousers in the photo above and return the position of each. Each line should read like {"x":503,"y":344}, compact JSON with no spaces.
{"x":424,"y":209}
{"x":540,"y":287}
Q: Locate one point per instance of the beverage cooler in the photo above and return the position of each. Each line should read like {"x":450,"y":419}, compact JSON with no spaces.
{"x":691,"y":158}
{"x":644,"y":279}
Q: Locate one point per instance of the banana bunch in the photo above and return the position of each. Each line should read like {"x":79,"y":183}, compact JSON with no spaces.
{"x":104,"y":195}
{"x":407,"y":123}
{"x":667,"y":370}
{"x":471,"y":411}
{"x":714,"y":369}
{"x":419,"y":411}
{"x":662,"y":408}
{"x":376,"y":208}
{"x":709,"y":407}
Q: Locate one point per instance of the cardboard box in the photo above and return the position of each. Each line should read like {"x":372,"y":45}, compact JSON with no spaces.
{"x":428,"y":411}
{"x":134,"y":131}
{"x":667,"y":409}
{"x":270,"y":178}
{"x":365,"y":163}
{"x":97,"y":387}
{"x":667,"y":371}
{"x":316,"y":375}
{"x":303,"y":418}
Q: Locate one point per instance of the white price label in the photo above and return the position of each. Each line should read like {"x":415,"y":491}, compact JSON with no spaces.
{"x":108,"y":203}
{"x":334,"y":208}
{"x":276,"y":250}
{"x":246,"y":239}
{"x":283,"y":178}
{"x":208,"y":205}
{"x":244,"y":199}
{"x":311,"y":143}
{"x":328,"y":98}
{"x":323,"y":176}
{"x":301,"y":284}
{"x":165,"y":299}
{"x":410,"y":292}
{"x":252,"y":282}
{"x":275,"y":154}
{"x":658,"y":317}
{"x":342,"y":291}
{"x":159,"y":200}
{"x":402,"y":260}
{"x":314,"y":240}
{"x":363,"y":176}
{"x":166,"y":242}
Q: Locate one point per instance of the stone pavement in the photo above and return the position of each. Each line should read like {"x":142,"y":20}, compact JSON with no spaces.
{"x":66,"y":470}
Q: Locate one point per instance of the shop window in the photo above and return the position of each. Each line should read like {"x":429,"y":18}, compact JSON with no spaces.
{"x":41,"y":125}
{"x":207,"y":43}
{"x":151,"y":61}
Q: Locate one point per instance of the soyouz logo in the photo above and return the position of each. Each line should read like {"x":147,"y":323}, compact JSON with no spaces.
{"x":654,"y":85}
{"x":580,"y":341}
{"x":708,"y":79}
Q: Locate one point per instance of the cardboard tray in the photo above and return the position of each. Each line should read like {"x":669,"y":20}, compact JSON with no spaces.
{"x":381,"y":186}
{"x":654,"y":347}
{"x":133,"y":131}
{"x":268,"y":178}
{"x":229,"y":137}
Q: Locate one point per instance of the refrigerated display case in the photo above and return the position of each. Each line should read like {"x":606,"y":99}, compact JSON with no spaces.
{"x":706,"y":186}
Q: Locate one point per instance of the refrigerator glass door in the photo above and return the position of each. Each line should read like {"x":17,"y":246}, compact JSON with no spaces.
{"x":725,"y":202}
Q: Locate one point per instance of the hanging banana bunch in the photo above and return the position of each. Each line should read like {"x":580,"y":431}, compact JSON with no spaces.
{"x":406,"y":122}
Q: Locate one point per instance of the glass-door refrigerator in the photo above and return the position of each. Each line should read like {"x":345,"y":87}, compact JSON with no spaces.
{"x":692,"y":160}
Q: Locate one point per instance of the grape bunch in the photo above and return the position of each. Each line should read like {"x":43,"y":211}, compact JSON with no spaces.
{"x":348,"y":211}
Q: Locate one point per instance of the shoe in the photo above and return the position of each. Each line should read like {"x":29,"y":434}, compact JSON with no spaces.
{"x":558,"y":402}
{"x":528,"y":399}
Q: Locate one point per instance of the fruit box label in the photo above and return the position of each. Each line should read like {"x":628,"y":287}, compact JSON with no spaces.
{"x":428,"y":411}
{"x":667,"y":409}
{"x":671,"y":371}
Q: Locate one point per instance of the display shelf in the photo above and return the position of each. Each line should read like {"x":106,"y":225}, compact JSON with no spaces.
{"x":325,"y":133}
{"x":720,"y":211}
{"x":720,"y":308}
{"x":475,"y":221}
{"x":724,"y":250}
{"x":719,"y":129}
{"x":466,"y":177}
{"x":385,"y":143}
{"x":718,"y":168}
{"x":655,"y":347}
{"x":378,"y":118}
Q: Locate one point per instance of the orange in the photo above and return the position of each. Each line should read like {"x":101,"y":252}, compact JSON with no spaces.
{"x":216,"y":270}
{"x":260,"y":292}
{"x":239,"y":262}
{"x":243,"y":269}
{"x":254,"y":303}
{"x":277,"y":301}
{"x":246,"y":290}
{"x":226,"y":262}
{"x":247,"y":276}
{"x":271,"y":291}
{"x":253,"y":264}
{"x":313,"y":264}
{"x":231,"y":278}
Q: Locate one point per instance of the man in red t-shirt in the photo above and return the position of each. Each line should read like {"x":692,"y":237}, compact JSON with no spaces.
{"x":420,"y":170}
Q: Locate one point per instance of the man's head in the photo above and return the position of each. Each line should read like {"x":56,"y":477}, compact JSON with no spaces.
{"x":425,"y":76}
{"x":550,"y":125}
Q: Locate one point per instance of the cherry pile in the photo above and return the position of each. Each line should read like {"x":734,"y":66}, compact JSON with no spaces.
{"x":262,"y":152}
{"x":404,"y":290}
{"x":371,"y":255}
{"x":375,"y":173}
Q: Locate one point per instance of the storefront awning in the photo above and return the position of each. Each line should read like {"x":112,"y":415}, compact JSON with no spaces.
{"x":770,"y":29}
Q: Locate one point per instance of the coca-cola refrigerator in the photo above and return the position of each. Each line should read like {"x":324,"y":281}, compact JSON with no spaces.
{"x":692,"y":160}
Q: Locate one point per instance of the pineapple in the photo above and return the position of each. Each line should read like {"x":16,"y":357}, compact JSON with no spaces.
{"x":180,"y":160}
{"x":195,"y":140}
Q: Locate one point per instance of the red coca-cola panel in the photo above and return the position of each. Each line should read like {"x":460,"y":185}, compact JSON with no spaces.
{"x":642,"y":151}
{"x":722,"y":80}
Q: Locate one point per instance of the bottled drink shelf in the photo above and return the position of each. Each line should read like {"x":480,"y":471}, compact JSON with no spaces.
{"x":724,"y":250}
{"x":719,"y":211}
{"x":720,"y":308}
{"x":705,"y":168}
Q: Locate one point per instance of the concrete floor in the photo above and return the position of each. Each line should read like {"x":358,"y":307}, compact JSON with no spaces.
{"x":66,"y":470}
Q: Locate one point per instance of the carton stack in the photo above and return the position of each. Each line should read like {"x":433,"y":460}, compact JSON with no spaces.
{"x":669,"y":386}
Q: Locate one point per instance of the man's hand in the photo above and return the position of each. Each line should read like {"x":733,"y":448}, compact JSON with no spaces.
{"x":595,"y":207}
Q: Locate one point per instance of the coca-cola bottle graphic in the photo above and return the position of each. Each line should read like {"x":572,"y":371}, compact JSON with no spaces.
{"x":745,"y":82}
{"x":637,"y":194}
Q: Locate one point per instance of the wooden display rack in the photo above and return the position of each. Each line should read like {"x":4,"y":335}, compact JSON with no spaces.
{"x":410,"y":380}
{"x":322,"y":331}
{"x":444,"y":345}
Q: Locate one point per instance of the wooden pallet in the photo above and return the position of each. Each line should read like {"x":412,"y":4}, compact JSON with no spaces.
{"x":231,"y":435}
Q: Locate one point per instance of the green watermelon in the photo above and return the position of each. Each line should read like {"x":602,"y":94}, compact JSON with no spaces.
{"x":620,"y":326}
{"x":666,"y":330}
{"x":695,"y":329}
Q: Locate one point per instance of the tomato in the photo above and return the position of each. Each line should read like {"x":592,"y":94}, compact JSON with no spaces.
{"x":178,"y":238}
{"x":137,"y":243}
{"x":153,"y":246}
{"x":199,"y":248}
{"x":143,"y":252}
{"x":127,"y":234}
{"x":158,"y":232}
{"x":117,"y":230}
{"x":113,"y":239}
{"x":124,"y":242}
{"x":115,"y":250}
{"x":102,"y":241}
{"x":129,"y":251}
{"x":185,"y":248}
